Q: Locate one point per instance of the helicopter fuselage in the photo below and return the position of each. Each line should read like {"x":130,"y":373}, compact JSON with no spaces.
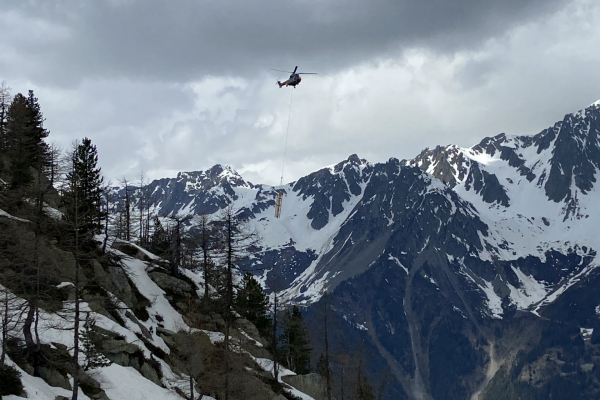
{"x":293,"y":80}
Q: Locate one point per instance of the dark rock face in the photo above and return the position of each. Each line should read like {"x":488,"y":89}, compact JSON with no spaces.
{"x":576,"y":155}
{"x":486,"y":185}
{"x":330,"y":189}
{"x":447,"y":162}
{"x":312,"y":384}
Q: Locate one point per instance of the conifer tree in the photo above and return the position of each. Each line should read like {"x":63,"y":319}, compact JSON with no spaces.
{"x":252,"y":303}
{"x":124,"y":231}
{"x":89,"y":339}
{"x":364,"y":390}
{"x":85,"y":182}
{"x":295,"y":342}
{"x":24,"y":139}
{"x":37,"y":148}
{"x":16,"y":142}
{"x":159,"y":241}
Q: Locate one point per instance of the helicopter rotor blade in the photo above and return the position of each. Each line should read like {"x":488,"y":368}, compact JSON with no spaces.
{"x":305,"y":73}
{"x":279,"y":70}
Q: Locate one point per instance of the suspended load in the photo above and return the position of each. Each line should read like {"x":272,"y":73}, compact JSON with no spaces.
{"x":278,"y":203}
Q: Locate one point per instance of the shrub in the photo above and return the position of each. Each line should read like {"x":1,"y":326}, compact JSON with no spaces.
{"x":10,"y":381}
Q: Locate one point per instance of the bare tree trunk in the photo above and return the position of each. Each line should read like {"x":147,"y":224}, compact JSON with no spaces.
{"x":229,"y":244}
{"x":107,"y":197}
{"x":342,"y":387}
{"x":328,"y":371}
{"x":274,"y":338}
{"x":76,"y":322}
{"x":205,"y":245}
{"x":37,"y":233}
{"x":127,"y":211}
{"x":4,"y":328}
{"x":141,"y":207}
{"x":27,"y":327}
{"x":147,"y":216}
{"x":176,"y":246}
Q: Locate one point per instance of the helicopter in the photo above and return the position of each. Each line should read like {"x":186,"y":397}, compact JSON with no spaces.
{"x":294,"y":78}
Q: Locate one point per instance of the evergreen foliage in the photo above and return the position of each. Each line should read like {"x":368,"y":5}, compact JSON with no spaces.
{"x":37,"y":149}
{"x":252,"y":303}
{"x":10,"y":381}
{"x":364,"y":390}
{"x":295,"y":342}
{"x":85,"y":189}
{"x":90,"y":338}
{"x":23,"y":139}
{"x":159,"y":241}
{"x":322,"y":367}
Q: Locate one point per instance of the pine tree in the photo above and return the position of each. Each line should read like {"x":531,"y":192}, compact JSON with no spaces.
{"x":159,"y":241}
{"x":295,"y":342}
{"x":252,"y":303}
{"x":322,"y":367}
{"x":15,"y":142}
{"x":37,"y":149}
{"x":364,"y":390}
{"x":24,"y":139}
{"x":85,"y":182}
{"x":89,"y":339}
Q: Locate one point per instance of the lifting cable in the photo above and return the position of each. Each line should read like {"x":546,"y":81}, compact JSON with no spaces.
{"x":280,"y":191}
{"x":286,"y":137}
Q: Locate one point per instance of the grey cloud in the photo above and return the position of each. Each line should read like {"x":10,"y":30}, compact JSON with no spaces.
{"x":187,"y":39}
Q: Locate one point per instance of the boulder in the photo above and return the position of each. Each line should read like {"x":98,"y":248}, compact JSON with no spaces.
{"x":118,"y":346}
{"x":219,"y":321}
{"x":248,"y":327}
{"x":134,"y":319}
{"x":131,"y":250}
{"x":54,"y":378}
{"x":171,"y":284}
{"x":312,"y":384}
{"x":119,"y":278}
{"x":121,"y":359}
{"x":149,"y":373}
{"x":164,"y":331}
{"x":91,"y":387}
{"x":166,"y":335}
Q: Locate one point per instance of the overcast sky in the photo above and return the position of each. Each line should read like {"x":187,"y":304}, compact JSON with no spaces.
{"x":181,"y":85}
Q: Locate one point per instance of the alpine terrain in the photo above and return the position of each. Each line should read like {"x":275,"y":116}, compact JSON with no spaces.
{"x":468,"y":273}
{"x":463,"y":273}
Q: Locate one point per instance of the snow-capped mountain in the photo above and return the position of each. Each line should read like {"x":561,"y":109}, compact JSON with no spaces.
{"x":446,"y":265}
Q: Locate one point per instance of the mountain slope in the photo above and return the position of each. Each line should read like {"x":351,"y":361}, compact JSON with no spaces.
{"x":447,"y":266}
